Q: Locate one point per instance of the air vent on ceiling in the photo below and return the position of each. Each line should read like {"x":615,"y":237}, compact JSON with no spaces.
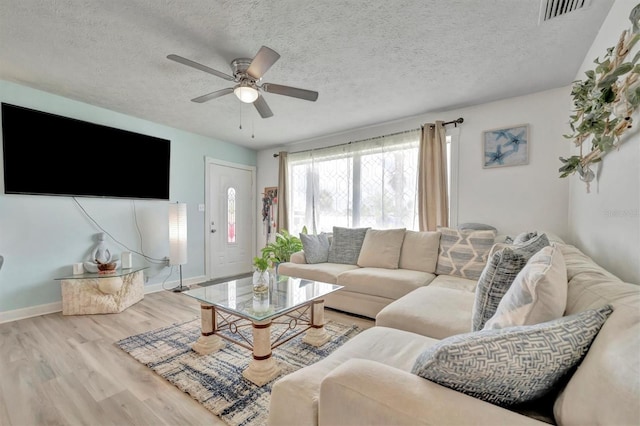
{"x":550,"y":9}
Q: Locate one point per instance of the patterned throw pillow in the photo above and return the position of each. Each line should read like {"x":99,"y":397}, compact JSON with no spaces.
{"x":502,"y":268}
{"x":316,"y":247}
{"x":538,"y":294}
{"x":512,"y":365}
{"x":524,"y":237}
{"x":463,"y":253}
{"x":346,"y":245}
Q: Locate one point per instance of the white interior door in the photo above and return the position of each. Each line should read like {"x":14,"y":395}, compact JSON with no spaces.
{"x":231,"y":219}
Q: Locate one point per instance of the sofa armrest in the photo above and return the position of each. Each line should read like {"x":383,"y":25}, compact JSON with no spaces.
{"x":360,"y":392}
{"x":298,"y":257}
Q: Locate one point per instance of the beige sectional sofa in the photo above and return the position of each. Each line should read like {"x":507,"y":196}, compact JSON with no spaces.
{"x":368,"y":289}
{"x":369,"y":380}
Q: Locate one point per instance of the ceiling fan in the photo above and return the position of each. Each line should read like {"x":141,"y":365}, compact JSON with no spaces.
{"x":247,"y":74}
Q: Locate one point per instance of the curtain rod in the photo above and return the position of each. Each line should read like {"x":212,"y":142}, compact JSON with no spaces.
{"x":456,"y":122}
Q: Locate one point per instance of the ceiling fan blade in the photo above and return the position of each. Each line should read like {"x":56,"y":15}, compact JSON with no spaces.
{"x":212,"y":95}
{"x":200,"y":67}
{"x":262,"y":107}
{"x":278,"y":89}
{"x":263,"y":60}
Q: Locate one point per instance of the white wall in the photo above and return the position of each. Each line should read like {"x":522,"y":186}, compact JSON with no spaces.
{"x":605,"y":224}
{"x":42,"y":236}
{"x":513,"y":199}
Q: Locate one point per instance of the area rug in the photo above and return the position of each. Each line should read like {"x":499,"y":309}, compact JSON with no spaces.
{"x":215,"y":380}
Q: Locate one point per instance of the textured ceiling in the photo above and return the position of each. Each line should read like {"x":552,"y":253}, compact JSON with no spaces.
{"x":371,"y":62}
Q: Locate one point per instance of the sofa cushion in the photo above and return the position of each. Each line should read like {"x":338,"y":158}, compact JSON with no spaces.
{"x":316,"y":247}
{"x":346,"y":244}
{"x":505,"y":262}
{"x":605,"y":389}
{"x":420,"y":251}
{"x":463,"y":253}
{"x":324,"y":272}
{"x":437,"y":312}
{"x":538,"y":294}
{"x":512,"y":365}
{"x":458,"y":283}
{"x":381,"y":248}
{"x":389,"y":283}
{"x":294,"y":397}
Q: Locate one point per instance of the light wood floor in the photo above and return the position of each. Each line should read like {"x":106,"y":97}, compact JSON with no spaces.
{"x":66,"y":370}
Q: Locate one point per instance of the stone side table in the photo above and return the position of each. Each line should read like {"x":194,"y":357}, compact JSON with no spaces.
{"x":94,"y":293}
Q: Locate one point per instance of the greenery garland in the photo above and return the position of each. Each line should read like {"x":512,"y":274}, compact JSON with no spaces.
{"x":604,"y":102}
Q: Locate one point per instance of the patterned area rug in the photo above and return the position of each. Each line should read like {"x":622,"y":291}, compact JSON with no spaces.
{"x":216,"y":380}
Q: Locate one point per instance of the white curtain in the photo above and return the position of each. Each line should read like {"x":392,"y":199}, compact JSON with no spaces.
{"x":367,"y":183}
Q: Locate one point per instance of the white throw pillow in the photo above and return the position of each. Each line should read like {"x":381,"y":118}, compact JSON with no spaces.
{"x":538,"y":293}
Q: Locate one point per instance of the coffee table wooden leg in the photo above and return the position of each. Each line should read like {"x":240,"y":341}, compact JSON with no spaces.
{"x":208,"y":341}
{"x":262,"y":368}
{"x":317,"y":335}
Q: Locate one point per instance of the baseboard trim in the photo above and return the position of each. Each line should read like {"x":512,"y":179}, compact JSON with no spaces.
{"x":51,"y":308}
{"x":30,"y":312}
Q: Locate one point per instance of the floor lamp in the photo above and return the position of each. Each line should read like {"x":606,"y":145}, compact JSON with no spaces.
{"x":178,"y":239}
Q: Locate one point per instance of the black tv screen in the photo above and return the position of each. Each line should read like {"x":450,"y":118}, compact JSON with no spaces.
{"x":48,"y":154}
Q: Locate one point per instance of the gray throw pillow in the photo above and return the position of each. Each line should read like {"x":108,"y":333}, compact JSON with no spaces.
{"x":346,"y":245}
{"x":476,"y":226}
{"x":316,"y":247}
{"x":512,"y":365}
{"x":497,"y":276}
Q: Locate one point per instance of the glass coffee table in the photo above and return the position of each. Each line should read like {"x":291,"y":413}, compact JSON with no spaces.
{"x":228,"y":308}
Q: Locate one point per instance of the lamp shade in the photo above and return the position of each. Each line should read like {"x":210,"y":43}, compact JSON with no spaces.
{"x":177,"y":234}
{"x":246,"y":93}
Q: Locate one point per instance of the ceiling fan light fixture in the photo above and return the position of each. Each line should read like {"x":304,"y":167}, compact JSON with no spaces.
{"x":246,"y":93}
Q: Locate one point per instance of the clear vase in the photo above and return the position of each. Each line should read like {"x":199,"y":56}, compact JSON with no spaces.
{"x":260,"y":291}
{"x":260,"y":277}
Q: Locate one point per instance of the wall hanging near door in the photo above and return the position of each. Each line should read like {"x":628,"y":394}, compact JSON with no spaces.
{"x":270,"y":212}
{"x":603,"y":104}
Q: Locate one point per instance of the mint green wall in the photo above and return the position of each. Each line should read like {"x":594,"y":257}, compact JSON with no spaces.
{"x":42,"y":236}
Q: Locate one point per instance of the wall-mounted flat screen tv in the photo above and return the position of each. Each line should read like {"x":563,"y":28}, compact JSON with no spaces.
{"x":48,"y":154}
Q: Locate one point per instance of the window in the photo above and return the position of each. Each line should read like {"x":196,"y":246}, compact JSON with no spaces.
{"x":231,"y":215}
{"x":371,"y":183}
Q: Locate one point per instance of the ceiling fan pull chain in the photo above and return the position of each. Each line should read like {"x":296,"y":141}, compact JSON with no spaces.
{"x":240,"y":116}
{"x":253,"y":122}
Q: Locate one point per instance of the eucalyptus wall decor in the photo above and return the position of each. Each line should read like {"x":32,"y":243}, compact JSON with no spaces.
{"x":603,"y":103}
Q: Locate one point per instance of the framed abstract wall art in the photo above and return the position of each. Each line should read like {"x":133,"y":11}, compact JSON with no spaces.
{"x":506,"y":146}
